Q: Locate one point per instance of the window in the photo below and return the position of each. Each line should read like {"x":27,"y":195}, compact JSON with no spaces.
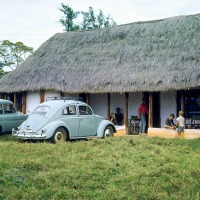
{"x":1,"y":109}
{"x":192,"y":106}
{"x":41,"y":109}
{"x":191,"y":103}
{"x":69,"y":110}
{"x":8,"y":108}
{"x":85,"y":110}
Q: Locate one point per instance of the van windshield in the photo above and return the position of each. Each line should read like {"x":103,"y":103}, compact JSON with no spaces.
{"x":41,"y":110}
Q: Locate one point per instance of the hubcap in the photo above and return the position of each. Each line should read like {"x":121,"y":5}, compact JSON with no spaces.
{"x":59,"y":136}
{"x":107,"y":132}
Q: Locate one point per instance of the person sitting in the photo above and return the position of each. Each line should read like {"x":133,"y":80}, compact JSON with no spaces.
{"x":112,"y":118}
{"x":169,"y":123}
{"x":118,"y":117}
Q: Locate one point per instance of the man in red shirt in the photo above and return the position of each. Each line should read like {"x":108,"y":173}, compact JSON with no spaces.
{"x":142,"y":115}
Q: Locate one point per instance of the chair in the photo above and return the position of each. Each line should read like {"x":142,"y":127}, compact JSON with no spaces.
{"x":133,"y":127}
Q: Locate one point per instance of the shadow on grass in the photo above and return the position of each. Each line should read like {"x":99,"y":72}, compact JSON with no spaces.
{"x":7,"y":137}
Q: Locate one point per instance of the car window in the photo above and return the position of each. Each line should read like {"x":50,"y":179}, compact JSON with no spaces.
{"x":69,"y":110}
{"x":41,"y":110}
{"x":1,"y":109}
{"x":85,"y":110}
{"x":8,"y":108}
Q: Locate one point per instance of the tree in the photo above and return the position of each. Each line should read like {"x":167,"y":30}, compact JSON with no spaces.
{"x":68,"y":19}
{"x":88,"y":20}
{"x":13,"y":54}
{"x":92,"y":21}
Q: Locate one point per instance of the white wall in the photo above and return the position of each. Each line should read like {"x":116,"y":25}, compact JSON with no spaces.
{"x":98,"y":103}
{"x":51,"y":93}
{"x":135,"y":99}
{"x":32,"y":101}
{"x":117,"y":100}
{"x":167,"y":105}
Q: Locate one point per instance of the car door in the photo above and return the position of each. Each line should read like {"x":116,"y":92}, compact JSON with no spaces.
{"x":12,"y":119}
{"x":70,"y":117}
{"x":87,"y":121}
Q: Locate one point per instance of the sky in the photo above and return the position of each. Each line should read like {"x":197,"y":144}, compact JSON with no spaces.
{"x":35,"y":21}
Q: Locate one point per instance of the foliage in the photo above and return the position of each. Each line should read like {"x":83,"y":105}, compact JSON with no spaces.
{"x":135,"y":167}
{"x":88,"y":20}
{"x":12,"y":54}
{"x":68,"y":20}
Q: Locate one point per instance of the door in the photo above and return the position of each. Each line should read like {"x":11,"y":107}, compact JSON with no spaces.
{"x":87,"y":121}
{"x":11,"y":118}
{"x":70,"y":117}
{"x":156,"y":109}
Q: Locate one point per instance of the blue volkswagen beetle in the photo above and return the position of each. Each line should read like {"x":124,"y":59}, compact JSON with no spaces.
{"x":60,"y":119}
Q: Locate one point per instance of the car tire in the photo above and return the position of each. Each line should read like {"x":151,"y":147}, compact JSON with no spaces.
{"x":59,"y":136}
{"x":108,"y":131}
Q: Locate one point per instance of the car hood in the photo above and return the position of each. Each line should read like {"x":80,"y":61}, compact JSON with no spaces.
{"x":34,"y":122}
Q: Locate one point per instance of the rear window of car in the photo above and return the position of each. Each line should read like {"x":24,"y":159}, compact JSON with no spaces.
{"x":8,"y":108}
{"x":41,"y":110}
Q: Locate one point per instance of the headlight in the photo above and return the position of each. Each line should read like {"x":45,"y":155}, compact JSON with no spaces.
{"x":16,"y":129}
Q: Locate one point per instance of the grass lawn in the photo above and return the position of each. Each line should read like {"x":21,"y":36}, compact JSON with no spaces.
{"x":129,"y":167}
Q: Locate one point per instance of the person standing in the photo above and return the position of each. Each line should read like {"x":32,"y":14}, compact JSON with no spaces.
{"x":180,"y":124}
{"x":142,"y":115}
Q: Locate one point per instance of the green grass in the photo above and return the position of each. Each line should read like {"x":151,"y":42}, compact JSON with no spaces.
{"x":131,"y":167}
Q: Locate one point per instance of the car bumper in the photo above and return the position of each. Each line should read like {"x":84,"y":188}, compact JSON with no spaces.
{"x":28,"y":135}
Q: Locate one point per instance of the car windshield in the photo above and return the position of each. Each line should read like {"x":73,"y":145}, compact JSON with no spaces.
{"x":41,"y":110}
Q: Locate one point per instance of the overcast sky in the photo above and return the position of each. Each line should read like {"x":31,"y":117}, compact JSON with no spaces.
{"x":34,"y":21}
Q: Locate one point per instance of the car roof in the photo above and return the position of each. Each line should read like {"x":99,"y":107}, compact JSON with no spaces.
{"x":61,"y":103}
{"x":56,"y":105}
{"x":5,"y":101}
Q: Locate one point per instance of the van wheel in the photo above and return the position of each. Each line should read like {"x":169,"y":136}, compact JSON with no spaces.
{"x":108,"y":132}
{"x":59,"y":136}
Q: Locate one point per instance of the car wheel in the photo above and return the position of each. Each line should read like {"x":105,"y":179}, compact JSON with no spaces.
{"x":59,"y":136}
{"x":108,"y":132}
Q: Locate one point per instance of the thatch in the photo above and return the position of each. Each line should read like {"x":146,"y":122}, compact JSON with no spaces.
{"x":157,"y":55}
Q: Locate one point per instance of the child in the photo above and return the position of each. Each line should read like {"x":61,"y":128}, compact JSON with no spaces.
{"x":180,"y":123}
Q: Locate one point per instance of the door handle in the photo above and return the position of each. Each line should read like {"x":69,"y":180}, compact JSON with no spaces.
{"x":6,"y":117}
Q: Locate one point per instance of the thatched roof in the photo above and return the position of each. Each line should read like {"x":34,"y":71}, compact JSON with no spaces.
{"x":157,"y":55}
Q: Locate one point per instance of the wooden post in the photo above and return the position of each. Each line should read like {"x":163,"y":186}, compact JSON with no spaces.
{"x":182,"y":101}
{"x":108,"y":106}
{"x":24,"y":103}
{"x":150,"y":110}
{"x":126,"y":111}
{"x":61,"y":94}
{"x":15,"y":101}
{"x":42,"y":96}
{"x":88,"y":98}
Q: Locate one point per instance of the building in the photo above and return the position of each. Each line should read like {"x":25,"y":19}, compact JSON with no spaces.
{"x":116,"y":67}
